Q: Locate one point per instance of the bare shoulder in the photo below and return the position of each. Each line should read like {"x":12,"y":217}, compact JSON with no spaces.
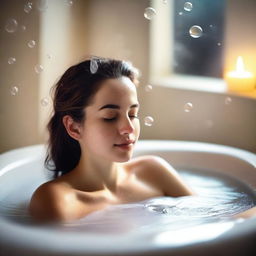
{"x":48,"y":202}
{"x":156,"y":169}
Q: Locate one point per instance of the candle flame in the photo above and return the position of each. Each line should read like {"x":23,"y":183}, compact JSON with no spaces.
{"x":240,"y":64}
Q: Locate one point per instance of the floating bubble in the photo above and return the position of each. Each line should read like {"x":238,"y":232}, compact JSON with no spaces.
{"x":195,"y":31}
{"x":180,"y":13}
{"x":164,"y":1}
{"x":14,"y":90}
{"x":149,"y":13}
{"x":42,"y":5}
{"x":31,"y":43}
{"x":44,"y":102}
{"x":93,"y":65}
{"x":39,"y":68}
{"x":228,"y":100}
{"x":148,"y":121}
{"x":148,"y":88}
{"x":188,"y":107}
{"x":28,"y":7}
{"x":219,"y":44}
{"x":69,"y":2}
{"x":11,"y":25}
{"x":188,"y":6}
{"x":11,"y":60}
{"x":23,"y":28}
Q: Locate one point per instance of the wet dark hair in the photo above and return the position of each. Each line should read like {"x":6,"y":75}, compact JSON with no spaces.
{"x":72,"y":93}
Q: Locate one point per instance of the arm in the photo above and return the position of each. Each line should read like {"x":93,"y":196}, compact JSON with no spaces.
{"x":246,"y":214}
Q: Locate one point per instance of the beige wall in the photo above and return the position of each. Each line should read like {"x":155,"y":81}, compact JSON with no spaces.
{"x":114,"y":28}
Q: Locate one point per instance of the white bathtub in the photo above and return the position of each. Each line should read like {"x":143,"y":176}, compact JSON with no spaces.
{"x":22,"y":171}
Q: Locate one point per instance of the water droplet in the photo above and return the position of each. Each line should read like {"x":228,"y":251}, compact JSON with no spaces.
{"x":228,"y":100}
{"x":148,"y":88}
{"x":188,"y":6}
{"x":31,"y":44}
{"x":69,"y":2}
{"x":11,"y":25}
{"x":14,"y":90}
{"x":195,"y":31}
{"x":44,"y":102}
{"x":93,"y":65}
{"x":188,"y":107}
{"x":149,"y":13}
{"x":11,"y":60}
{"x":42,"y":5}
{"x":28,"y":7}
{"x":39,"y":68}
{"x":148,"y":121}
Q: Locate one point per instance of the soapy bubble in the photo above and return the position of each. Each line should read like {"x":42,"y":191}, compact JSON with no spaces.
{"x":148,"y":88}
{"x":93,"y":65}
{"x":149,"y":13}
{"x":195,"y":31}
{"x":188,"y":6}
{"x":188,"y":107}
{"x":31,"y":43}
{"x":44,"y":102}
{"x":28,"y":7}
{"x":14,"y":90}
{"x":228,"y":100}
{"x":11,"y":25}
{"x":39,"y":68}
{"x":11,"y":60}
{"x":148,"y":121}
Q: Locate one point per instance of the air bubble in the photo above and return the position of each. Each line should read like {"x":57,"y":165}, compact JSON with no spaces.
{"x":69,"y":2}
{"x":180,"y":13}
{"x":44,"y":102}
{"x":148,"y":121}
{"x":228,"y":100}
{"x":149,"y":13}
{"x":219,"y":44}
{"x":188,"y":6}
{"x":11,"y":25}
{"x":11,"y":60}
{"x":195,"y":31}
{"x":31,"y":44}
{"x":188,"y":107}
{"x":14,"y":90}
{"x":42,"y":5}
{"x":28,"y":7}
{"x":148,"y":88}
{"x":23,"y":28}
{"x":39,"y":68}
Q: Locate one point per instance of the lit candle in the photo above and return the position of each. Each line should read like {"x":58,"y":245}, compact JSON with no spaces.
{"x":240,"y":79}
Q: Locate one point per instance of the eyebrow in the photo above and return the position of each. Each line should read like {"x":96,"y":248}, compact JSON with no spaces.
{"x":113,"y":106}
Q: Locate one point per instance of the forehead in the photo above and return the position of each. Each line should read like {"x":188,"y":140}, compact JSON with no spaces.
{"x":118,"y":90}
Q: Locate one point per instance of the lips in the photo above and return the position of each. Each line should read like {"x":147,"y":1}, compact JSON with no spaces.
{"x":126,"y":143}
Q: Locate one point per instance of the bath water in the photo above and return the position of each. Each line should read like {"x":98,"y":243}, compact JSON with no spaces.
{"x":218,"y":198}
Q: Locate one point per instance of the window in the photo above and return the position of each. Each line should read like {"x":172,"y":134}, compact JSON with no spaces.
{"x":203,"y":55}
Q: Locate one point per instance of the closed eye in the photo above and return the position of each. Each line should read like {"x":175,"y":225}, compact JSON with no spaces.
{"x":115,"y":118}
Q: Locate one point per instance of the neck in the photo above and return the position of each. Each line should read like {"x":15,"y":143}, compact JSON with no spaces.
{"x":93,"y":174}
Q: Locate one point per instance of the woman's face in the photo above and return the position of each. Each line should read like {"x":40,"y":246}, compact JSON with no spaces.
{"x":111,"y":125}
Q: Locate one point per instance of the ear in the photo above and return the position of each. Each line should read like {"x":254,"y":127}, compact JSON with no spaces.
{"x":73,"y":128}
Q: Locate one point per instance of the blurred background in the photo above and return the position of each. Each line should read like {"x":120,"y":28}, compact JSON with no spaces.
{"x":183,"y":49}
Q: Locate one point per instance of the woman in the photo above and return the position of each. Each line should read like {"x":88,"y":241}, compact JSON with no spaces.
{"x":93,"y":130}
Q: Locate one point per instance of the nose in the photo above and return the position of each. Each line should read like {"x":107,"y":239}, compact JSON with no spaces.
{"x":126,"y":126}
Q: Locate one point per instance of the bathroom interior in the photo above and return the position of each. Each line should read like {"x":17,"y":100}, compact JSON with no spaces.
{"x":209,"y":103}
